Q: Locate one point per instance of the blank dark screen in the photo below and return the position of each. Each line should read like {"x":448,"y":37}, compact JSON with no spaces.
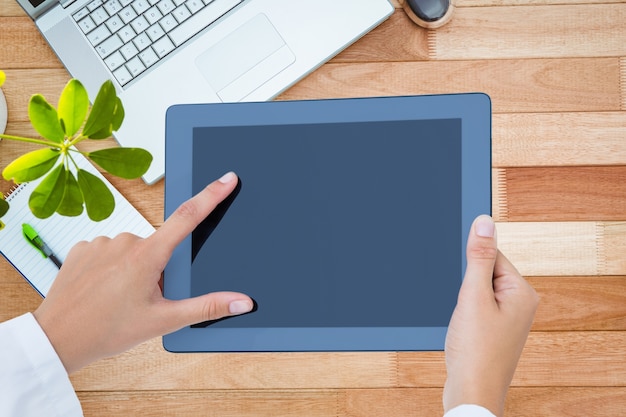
{"x":335,"y":225}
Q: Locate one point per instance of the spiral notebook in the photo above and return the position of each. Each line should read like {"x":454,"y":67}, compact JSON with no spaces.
{"x":59,"y":232}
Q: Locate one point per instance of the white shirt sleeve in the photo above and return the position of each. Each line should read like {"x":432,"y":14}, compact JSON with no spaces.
{"x":33,"y":381}
{"x":468,"y":410}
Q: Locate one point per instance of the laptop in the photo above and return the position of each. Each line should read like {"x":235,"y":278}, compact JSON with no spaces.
{"x":164,"y":52}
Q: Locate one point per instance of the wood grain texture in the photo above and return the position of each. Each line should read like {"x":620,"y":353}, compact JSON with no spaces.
{"x":549,"y":359}
{"x":563,"y":31}
{"x":563,"y":248}
{"x":562,"y":193}
{"x":539,"y":139}
{"x":415,"y":402}
{"x":535,"y":85}
{"x":590,"y":358}
{"x":580,"y":303}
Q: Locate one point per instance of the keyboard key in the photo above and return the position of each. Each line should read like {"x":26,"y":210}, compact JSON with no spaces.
{"x":127,"y":33}
{"x":129,"y":51}
{"x":178,"y":2}
{"x":201,"y":20}
{"x":181,"y":13}
{"x":94,"y":5}
{"x":135,"y":66}
{"x":141,"y":6}
{"x":155,"y":32}
{"x":98,"y":35}
{"x":80,"y":14}
{"x":140,"y":24}
{"x":128,"y":14}
{"x":163,"y":46}
{"x":99,"y":16}
{"x":122,"y":75}
{"x":114,"y":23}
{"x":109,"y":46}
{"x":114,"y":61}
{"x":142,"y":41}
{"x":153,"y":15}
{"x":148,"y":57}
{"x":87,"y":25}
{"x":194,"y":5}
{"x":168,"y":23}
{"x":166,"y":6}
{"x":112,"y":7}
{"x":125,"y":3}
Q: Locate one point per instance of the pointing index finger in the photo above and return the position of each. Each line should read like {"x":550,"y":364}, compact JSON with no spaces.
{"x":190,"y":214}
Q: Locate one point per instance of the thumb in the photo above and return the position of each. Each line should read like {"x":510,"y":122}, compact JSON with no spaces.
{"x":482,"y":251}
{"x":207,"y":307}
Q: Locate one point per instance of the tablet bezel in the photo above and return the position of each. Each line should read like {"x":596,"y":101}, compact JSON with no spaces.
{"x":474,"y":110}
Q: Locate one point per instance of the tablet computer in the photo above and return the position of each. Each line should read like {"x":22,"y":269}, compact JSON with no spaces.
{"x":348,"y":226}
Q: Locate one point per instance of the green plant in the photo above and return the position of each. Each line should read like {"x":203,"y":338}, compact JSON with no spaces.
{"x":67,"y":189}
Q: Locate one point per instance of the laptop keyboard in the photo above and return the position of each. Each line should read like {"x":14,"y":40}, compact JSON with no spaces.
{"x":133,"y":35}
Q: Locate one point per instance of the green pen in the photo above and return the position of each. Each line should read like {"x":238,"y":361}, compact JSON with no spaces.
{"x":37,"y":242}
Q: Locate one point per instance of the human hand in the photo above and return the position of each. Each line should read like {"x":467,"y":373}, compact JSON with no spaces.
{"x":489,"y":326}
{"x":107,"y":299}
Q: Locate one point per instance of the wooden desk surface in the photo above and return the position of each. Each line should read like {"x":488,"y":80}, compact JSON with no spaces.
{"x":556,"y":72}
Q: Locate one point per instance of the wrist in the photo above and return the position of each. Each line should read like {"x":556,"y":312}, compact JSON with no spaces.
{"x":476,"y":393}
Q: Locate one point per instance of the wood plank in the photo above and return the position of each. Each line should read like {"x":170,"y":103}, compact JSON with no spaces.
{"x":552,"y":249}
{"x":580,"y":303}
{"x":561,"y":402}
{"x":396,"y":39}
{"x":550,"y":359}
{"x":562,"y":193}
{"x":564,"y":248}
{"x":11,"y":9}
{"x":623,"y":81}
{"x":149,"y":367}
{"x":563,"y":31}
{"x":28,"y":48}
{"x":566,"y":402}
{"x":210,"y":403}
{"x":557,"y":139}
{"x":536,"y":85}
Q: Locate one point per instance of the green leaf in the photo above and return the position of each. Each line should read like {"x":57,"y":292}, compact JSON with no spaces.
{"x":45,"y":119}
{"x":99,"y":121}
{"x":99,"y":200}
{"x":73,"y":106}
{"x":72,"y":202}
{"x":118,"y":115}
{"x":32,"y":165}
{"x":4,"y":206}
{"x":126,"y":163}
{"x":45,"y":199}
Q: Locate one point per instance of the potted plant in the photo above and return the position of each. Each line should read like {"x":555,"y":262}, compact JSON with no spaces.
{"x":65,"y":188}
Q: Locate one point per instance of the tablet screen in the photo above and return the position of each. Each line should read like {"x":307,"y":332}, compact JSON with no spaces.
{"x":348,"y":226}
{"x":335,"y":224}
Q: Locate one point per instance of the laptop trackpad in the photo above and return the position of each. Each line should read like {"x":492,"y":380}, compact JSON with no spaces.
{"x":245,"y":59}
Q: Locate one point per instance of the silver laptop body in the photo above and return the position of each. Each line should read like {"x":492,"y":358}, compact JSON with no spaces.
{"x":159,"y":52}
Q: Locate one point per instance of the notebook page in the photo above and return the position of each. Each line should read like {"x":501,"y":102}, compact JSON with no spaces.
{"x":59,"y":232}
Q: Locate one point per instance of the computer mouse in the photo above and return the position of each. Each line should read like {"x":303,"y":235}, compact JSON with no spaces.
{"x":429,"y":14}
